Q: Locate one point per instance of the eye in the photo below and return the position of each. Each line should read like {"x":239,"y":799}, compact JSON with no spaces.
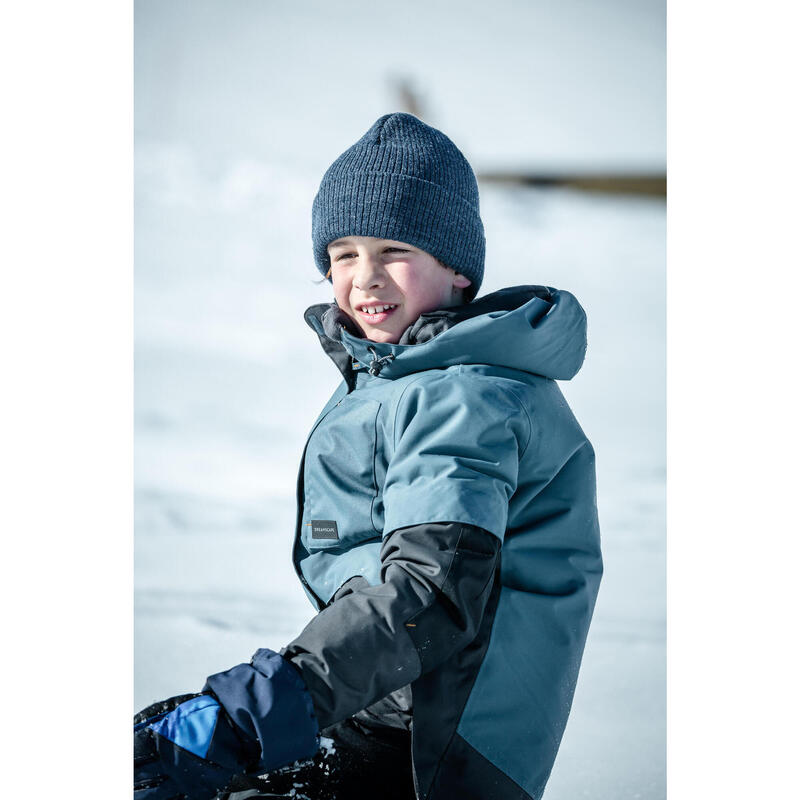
{"x":342,"y":256}
{"x":396,"y":249}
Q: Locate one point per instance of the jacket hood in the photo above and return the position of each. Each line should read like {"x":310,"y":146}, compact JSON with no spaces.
{"x":537,"y":329}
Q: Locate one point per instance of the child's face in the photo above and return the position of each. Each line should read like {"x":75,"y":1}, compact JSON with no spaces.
{"x":369,"y":272}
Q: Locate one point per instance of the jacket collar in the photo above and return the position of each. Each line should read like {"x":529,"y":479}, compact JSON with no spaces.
{"x":536,"y":329}
{"x":346,"y":346}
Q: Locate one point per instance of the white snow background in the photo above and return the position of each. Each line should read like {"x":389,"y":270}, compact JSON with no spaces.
{"x":239,"y":108}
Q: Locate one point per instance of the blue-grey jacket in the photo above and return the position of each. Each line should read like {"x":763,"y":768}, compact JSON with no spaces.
{"x":447,"y":533}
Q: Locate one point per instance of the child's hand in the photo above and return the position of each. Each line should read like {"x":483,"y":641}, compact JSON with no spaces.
{"x":252,"y":718}
{"x":188,"y":747}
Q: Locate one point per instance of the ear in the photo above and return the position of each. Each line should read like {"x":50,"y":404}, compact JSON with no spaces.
{"x":460,"y":281}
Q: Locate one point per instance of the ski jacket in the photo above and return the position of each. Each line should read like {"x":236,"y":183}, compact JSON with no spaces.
{"x":447,"y":534}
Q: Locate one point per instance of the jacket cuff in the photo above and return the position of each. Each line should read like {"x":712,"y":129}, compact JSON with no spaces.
{"x":268,"y":701}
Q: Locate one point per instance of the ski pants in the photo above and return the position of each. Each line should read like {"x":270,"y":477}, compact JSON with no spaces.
{"x":355,"y":762}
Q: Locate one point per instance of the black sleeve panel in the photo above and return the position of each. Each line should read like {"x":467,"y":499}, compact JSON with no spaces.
{"x":436,"y":579}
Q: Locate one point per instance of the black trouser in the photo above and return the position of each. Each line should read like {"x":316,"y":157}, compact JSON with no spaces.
{"x":359,"y":764}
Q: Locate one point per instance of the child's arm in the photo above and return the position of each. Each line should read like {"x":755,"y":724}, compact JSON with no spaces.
{"x":453,"y":467}
{"x":437,"y":578}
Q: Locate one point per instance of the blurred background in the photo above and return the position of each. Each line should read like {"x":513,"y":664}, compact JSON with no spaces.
{"x":240,"y":105}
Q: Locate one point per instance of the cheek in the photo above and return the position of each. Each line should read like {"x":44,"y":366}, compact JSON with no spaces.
{"x":423,"y":294}
{"x":341,"y":292}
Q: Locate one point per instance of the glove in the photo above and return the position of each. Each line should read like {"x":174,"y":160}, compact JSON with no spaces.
{"x":187,"y":747}
{"x":253,"y":718}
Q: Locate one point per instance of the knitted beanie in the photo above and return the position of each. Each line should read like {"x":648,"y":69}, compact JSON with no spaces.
{"x":406,"y":181}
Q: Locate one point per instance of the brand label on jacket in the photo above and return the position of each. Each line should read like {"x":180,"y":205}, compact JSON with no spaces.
{"x":324,"y":529}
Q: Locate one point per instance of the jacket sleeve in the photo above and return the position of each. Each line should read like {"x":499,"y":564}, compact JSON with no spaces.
{"x":453,"y":467}
{"x":435,"y":581}
{"x":455,"y":452}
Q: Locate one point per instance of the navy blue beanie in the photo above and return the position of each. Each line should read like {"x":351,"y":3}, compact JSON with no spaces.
{"x":406,"y":181}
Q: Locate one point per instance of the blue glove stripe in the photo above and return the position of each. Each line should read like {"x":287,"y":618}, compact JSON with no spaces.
{"x":191,"y":725}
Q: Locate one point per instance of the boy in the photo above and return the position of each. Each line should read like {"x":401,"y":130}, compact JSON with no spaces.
{"x":447,"y":529}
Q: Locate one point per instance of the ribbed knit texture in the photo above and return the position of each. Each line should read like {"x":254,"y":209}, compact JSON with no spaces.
{"x":403,"y":180}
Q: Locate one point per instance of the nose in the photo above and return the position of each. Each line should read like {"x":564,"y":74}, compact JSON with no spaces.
{"x":369,"y":274}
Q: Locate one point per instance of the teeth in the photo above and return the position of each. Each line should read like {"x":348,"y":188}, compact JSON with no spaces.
{"x":376,"y":309}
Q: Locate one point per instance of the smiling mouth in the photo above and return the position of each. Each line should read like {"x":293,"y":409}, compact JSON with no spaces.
{"x":376,"y":313}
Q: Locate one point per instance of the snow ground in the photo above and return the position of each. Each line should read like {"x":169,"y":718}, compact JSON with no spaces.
{"x":229,"y":379}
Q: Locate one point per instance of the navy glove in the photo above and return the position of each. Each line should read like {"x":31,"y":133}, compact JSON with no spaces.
{"x":253,"y":718}
{"x":187,"y":747}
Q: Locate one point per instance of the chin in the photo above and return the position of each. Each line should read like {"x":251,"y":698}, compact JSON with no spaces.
{"x":383,"y":337}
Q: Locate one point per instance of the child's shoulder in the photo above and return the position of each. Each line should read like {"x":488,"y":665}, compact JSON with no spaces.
{"x":475,"y":386}
{"x":455,"y":404}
